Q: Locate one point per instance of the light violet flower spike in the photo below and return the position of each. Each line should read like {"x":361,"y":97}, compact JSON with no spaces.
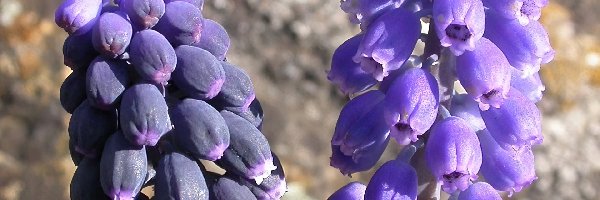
{"x":346,"y":74}
{"x":351,"y":191}
{"x":388,"y":42}
{"x":479,"y":191}
{"x":412,"y":102}
{"x":525,"y":47}
{"x":506,"y":169}
{"x":485,"y":74}
{"x":459,"y":23}
{"x":453,"y":154}
{"x":365,"y":11}
{"x":521,"y":10}
{"x":516,"y":124}
{"x":393,"y":180}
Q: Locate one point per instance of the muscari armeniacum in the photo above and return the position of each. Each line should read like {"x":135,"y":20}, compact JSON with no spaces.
{"x":492,"y":49}
{"x":149,"y":83}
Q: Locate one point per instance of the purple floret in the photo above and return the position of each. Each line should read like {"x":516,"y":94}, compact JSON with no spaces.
{"x":181,"y":24}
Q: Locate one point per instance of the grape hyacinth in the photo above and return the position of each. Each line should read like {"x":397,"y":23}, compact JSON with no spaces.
{"x":463,"y":109}
{"x":151,"y":95}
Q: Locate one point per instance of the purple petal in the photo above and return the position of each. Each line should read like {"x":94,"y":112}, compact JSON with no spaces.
{"x":516,"y":124}
{"x":531,"y":86}
{"x":506,"y":169}
{"x":388,"y":42}
{"x":459,"y":23}
{"x":351,"y":191}
{"x":346,"y":74}
{"x":478,"y":191}
{"x":485,"y":74}
{"x":393,"y":180}
{"x":525,"y":47}
{"x":412,"y":102}
{"x":465,"y":107}
{"x":453,"y":154}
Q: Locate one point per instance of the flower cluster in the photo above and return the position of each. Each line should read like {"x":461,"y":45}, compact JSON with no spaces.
{"x":492,"y":49}
{"x":151,"y":94}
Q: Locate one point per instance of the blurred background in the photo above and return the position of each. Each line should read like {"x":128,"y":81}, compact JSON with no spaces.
{"x":286,"y":46}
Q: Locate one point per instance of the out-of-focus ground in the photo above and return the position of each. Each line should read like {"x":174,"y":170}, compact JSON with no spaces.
{"x":286,"y":45}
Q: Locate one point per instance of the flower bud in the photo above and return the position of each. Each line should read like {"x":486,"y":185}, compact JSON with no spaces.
{"x":466,"y":108}
{"x":248,"y":154}
{"x":459,"y":23}
{"x":78,"y":51}
{"x":517,"y":123}
{"x":179,"y":177}
{"x":478,"y":191}
{"x":77,"y":17}
{"x":525,"y":47}
{"x":531,"y":86}
{"x":72,"y":91}
{"x":198,"y":74}
{"x":485,"y":74}
{"x":412,"y":102}
{"x":226,"y":188}
{"x":274,"y":185}
{"x":214,"y":39}
{"x":351,"y":191}
{"x":85,"y":184}
{"x":237,"y":90}
{"x":393,"y":180}
{"x":143,"y":115}
{"x":123,"y":168}
{"x":366,"y":11}
{"x":506,"y":169}
{"x":144,"y":14}
{"x":453,"y":154}
{"x":112,"y":34}
{"x":199,"y":129}
{"x":388,"y":42}
{"x":346,"y":74}
{"x":181,"y":23}
{"x":106,"y":81}
{"x":152,"y":56}
{"x":521,"y":10}
{"x":89,"y":128}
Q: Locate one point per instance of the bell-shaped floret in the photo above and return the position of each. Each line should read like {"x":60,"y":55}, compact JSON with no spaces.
{"x":459,"y":24}
{"x":346,"y":74}
{"x":453,"y":154}
{"x":144,"y":115}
